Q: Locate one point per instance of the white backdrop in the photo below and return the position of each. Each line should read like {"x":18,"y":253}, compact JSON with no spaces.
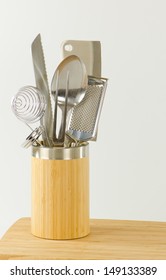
{"x":128,"y":162}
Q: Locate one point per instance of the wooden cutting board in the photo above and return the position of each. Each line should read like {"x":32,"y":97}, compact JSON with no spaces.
{"x":108,"y":240}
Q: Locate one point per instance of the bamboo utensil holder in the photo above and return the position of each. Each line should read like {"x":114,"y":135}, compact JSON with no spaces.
{"x":60,"y":192}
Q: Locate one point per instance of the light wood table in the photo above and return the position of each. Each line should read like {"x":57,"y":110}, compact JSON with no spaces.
{"x":108,"y":240}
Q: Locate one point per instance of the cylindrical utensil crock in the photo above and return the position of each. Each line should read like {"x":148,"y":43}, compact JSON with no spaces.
{"x":60,"y":192}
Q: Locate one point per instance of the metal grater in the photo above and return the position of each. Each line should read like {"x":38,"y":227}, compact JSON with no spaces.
{"x":84,"y":119}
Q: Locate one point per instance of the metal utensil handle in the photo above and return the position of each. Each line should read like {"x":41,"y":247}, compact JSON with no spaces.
{"x":33,"y":138}
{"x":55,"y":93}
{"x":61,"y":136}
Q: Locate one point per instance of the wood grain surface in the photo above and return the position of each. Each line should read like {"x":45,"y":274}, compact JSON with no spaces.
{"x":108,"y":240}
{"x":60,"y":198}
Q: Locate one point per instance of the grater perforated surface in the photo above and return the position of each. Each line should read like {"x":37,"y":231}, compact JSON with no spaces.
{"x":84,"y":115}
{"x":83,"y":122}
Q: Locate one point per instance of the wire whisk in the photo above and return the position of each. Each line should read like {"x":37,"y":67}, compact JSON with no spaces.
{"x":29,"y":106}
{"x":32,"y":139}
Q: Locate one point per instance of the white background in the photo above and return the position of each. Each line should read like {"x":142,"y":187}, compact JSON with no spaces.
{"x":128,"y":162}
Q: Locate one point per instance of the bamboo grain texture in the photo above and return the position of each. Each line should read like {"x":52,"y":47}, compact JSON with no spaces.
{"x":60,"y":198}
{"x":108,"y":240}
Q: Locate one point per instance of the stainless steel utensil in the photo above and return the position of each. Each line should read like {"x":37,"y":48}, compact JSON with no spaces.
{"x":60,"y":139}
{"x":88,"y":51}
{"x":32,"y":139}
{"x":69,"y":84}
{"x":42,"y":85}
{"x":83,"y":124}
{"x":29,"y":106}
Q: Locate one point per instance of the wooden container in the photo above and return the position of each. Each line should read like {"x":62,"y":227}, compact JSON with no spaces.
{"x":60,"y":192}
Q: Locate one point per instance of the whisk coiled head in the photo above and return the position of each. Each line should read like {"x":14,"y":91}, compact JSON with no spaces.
{"x":29,"y":104}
